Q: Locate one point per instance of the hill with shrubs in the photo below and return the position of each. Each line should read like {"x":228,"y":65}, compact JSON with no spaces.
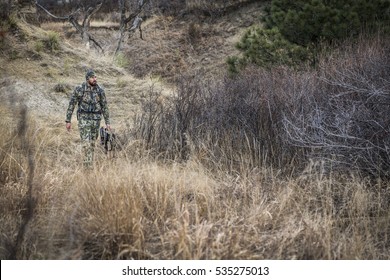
{"x":231,"y":145}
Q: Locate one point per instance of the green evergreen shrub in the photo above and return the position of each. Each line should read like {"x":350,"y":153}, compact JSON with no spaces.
{"x":264,"y":47}
{"x":294,"y":30}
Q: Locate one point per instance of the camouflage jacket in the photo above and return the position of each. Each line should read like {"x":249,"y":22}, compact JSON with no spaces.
{"x":92,"y":103}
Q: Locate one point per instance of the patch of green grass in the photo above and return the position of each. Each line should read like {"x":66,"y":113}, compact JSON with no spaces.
{"x":120,"y":83}
{"x":14,"y":54}
{"x":12,"y":22}
{"x":67,"y":67}
{"x":52,"y":41}
{"x":50,"y":73}
{"x":39,"y":46}
{"x":156,"y":78}
{"x":121,"y":60}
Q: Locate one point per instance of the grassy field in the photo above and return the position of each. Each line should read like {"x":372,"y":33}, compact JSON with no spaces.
{"x":134,"y":207}
{"x":142,"y":204}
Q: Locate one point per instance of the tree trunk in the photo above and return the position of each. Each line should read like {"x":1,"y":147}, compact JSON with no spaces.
{"x":82,"y":28}
{"x":133,"y":17}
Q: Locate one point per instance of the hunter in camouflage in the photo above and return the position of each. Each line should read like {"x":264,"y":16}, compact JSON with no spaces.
{"x":92,"y":104}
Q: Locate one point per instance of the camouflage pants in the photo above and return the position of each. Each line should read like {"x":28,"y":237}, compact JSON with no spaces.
{"x":89,"y":132}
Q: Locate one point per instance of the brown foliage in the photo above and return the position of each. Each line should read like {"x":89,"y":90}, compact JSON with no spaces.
{"x":335,"y":113}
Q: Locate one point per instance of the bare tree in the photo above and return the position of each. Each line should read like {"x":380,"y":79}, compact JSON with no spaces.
{"x":134,"y":17}
{"x":83,"y":27}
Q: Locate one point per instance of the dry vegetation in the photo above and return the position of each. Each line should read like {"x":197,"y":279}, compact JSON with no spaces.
{"x":137,"y":207}
{"x":214,"y":169}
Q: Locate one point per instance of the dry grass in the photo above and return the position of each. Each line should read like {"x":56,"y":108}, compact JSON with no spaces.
{"x":136,"y":208}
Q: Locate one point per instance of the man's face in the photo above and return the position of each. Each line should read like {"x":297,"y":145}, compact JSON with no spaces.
{"x":92,"y":81}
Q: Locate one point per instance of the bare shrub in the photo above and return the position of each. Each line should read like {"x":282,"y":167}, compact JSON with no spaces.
{"x":230,"y":118}
{"x":335,"y":113}
{"x":344,"y":118}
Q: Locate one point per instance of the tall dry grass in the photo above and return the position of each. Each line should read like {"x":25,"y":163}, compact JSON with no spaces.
{"x":134,"y":207}
{"x":219,"y":193}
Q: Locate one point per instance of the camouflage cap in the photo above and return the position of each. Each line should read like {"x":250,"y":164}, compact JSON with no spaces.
{"x":90,"y":73}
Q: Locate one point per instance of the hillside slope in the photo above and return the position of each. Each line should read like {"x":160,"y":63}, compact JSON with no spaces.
{"x":191,"y":43}
{"x":226,"y":200}
{"x":44,"y":78}
{"x":44,"y":75}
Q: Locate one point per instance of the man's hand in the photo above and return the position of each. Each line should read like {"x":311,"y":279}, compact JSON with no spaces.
{"x":68,"y":126}
{"x":108,"y":127}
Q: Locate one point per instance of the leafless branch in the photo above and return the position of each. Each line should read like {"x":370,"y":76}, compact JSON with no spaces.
{"x":82,"y":29}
